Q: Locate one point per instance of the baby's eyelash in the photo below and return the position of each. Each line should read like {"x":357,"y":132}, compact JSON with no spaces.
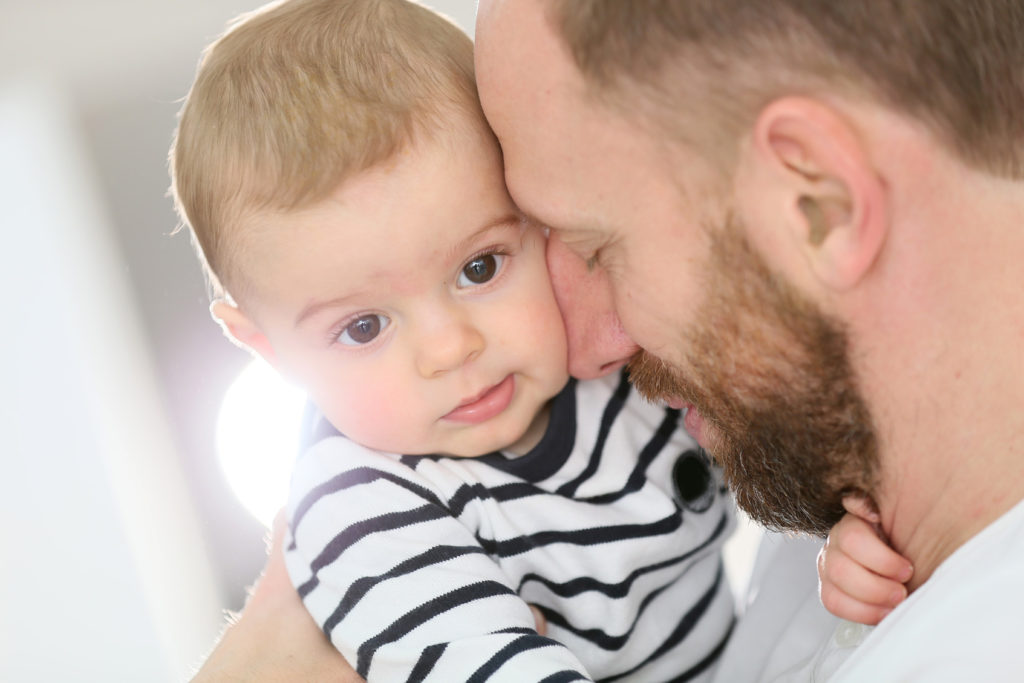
{"x":335,"y":331}
{"x":494,"y":250}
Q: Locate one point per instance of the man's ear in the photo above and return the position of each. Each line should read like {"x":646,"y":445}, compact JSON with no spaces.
{"x":824,"y":186}
{"x":242,"y":329}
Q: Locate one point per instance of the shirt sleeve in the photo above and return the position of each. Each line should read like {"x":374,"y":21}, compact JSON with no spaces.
{"x":399,"y":584}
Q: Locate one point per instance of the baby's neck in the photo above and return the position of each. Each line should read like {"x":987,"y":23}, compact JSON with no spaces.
{"x":534,"y":433}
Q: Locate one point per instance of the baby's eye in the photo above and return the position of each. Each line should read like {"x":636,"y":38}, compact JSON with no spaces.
{"x":480,"y":270}
{"x":363,"y":329}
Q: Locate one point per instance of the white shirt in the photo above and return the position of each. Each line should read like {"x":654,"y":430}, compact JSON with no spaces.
{"x":966,"y":623}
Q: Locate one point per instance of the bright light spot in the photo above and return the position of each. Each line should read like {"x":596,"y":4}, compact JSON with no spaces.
{"x":258,"y":432}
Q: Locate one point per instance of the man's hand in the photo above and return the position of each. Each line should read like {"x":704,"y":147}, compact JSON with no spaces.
{"x":275,"y":639}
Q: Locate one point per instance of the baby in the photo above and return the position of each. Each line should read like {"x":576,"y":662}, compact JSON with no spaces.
{"x":347,"y":199}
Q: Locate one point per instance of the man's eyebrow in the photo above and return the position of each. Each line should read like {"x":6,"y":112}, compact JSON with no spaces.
{"x":576,"y":236}
{"x":530,"y":218}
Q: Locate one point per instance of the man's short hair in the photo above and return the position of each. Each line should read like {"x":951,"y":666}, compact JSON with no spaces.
{"x":956,"y":66}
{"x":299,"y":95}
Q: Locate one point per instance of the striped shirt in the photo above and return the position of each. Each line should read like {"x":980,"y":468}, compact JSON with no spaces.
{"x":420,"y":568}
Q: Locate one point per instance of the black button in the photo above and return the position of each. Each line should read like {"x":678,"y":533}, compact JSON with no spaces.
{"x":692,"y":481}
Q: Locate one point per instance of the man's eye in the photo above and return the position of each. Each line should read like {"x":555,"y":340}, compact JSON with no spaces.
{"x":363,"y":329}
{"x":481,"y":269}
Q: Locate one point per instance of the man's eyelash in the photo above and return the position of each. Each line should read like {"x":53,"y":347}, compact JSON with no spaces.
{"x":594,"y":260}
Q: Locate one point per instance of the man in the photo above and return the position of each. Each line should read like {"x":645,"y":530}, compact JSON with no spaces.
{"x":810,"y":215}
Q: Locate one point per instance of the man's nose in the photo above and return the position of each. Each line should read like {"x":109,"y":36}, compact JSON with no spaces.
{"x":446,"y":340}
{"x":600,"y":347}
{"x":598,"y":344}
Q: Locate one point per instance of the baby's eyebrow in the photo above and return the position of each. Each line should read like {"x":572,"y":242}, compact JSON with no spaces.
{"x":315,"y":307}
{"x":456,"y":249}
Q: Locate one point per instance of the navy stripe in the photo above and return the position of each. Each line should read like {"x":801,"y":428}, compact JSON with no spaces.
{"x":425,"y":664}
{"x":354,"y":533}
{"x":362,"y":586}
{"x":308,"y":587}
{"x":517,"y":629}
{"x":564,"y":677}
{"x":349,"y":479}
{"x":611,"y":411}
{"x":498,"y":659}
{"x":682,"y":629}
{"x":466,"y":493}
{"x":712,"y":657}
{"x":502,"y":493}
{"x":585,"y":584}
{"x":609,"y":642}
{"x":516,"y":490}
{"x":412,"y":461}
{"x":598,"y":637}
{"x":592,"y":536}
{"x":638,"y":477}
{"x":421,"y":614}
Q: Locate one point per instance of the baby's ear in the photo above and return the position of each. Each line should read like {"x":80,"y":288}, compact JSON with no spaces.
{"x":242,"y":330}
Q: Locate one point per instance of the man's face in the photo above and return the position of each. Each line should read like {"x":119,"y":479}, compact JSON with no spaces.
{"x":595,"y":334}
{"x":764,"y":367}
{"x":612,"y":193}
{"x":771,"y":378}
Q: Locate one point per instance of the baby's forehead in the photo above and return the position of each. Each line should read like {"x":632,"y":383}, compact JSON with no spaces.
{"x":422,"y":209}
{"x":375,"y":250}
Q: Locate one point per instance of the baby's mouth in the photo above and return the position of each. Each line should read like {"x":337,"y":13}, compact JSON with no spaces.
{"x":486,"y":404}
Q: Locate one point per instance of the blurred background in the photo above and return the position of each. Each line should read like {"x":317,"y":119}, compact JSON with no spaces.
{"x":130,"y":523}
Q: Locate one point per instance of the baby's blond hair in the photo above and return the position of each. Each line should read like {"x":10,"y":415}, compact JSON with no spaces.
{"x":299,"y":95}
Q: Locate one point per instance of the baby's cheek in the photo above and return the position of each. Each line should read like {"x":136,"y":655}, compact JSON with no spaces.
{"x":376,"y":416}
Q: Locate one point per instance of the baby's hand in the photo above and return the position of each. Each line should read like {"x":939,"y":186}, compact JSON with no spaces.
{"x":860,"y":577}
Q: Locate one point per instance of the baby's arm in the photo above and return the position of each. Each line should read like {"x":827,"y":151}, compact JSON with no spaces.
{"x":861,"y":578}
{"x":401,"y":587}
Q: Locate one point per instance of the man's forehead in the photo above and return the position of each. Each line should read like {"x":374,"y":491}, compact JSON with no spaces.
{"x":509,"y":34}
{"x":500,"y":12}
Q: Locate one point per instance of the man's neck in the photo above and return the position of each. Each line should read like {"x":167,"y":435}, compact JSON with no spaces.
{"x":928,"y":529}
{"x":942,"y":342}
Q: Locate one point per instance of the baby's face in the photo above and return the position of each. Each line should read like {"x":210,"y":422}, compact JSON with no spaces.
{"x":413,"y":304}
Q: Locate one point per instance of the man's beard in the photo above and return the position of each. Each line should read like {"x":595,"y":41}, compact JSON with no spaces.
{"x":771,"y":375}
